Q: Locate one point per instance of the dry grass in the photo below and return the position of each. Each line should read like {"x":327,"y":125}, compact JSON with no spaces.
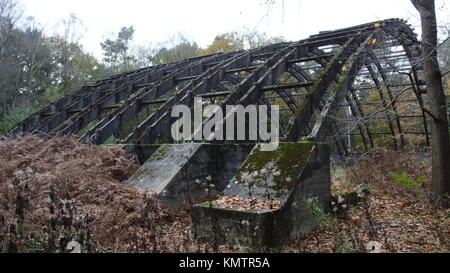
{"x":375,"y":169}
{"x":57,"y":190}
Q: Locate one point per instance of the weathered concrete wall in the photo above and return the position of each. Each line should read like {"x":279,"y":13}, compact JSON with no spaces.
{"x":246,"y":228}
{"x":163,"y":166}
{"x":260,"y":230}
{"x":315,"y":182}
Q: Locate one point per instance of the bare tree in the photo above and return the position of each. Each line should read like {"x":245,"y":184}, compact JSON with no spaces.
{"x":439,"y":125}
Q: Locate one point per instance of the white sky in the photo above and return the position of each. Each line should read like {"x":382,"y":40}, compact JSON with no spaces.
{"x":201,"y":20}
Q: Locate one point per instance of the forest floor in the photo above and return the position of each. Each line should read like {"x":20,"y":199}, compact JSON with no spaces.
{"x":393,"y":219}
{"x":59,"y":191}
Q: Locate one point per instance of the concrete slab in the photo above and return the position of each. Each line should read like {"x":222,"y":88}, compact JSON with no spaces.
{"x":180,"y":172}
{"x":270,"y":175}
{"x":163,"y":166}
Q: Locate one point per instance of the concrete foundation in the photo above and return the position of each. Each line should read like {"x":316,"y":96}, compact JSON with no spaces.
{"x":263,"y":229}
{"x":178,"y":173}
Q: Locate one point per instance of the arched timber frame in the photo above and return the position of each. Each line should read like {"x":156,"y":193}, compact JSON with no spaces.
{"x":325,"y":69}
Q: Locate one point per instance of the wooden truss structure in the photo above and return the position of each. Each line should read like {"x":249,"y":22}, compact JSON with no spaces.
{"x":320,"y":83}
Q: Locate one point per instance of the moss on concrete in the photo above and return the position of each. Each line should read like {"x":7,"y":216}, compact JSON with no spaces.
{"x":282,"y":166}
{"x":159,"y":154}
{"x":140,"y":173}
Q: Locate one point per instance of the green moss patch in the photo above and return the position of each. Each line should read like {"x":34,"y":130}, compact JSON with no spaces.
{"x":140,"y":173}
{"x":159,"y":154}
{"x":275,"y":170}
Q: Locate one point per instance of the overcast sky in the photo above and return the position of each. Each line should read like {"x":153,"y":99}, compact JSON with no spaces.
{"x":201,"y":20}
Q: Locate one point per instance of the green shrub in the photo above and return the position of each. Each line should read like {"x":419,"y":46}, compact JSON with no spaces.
{"x":15,"y":116}
{"x":407,"y":181}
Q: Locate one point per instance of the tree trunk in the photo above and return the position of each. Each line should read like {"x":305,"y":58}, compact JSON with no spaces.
{"x":440,"y":143}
